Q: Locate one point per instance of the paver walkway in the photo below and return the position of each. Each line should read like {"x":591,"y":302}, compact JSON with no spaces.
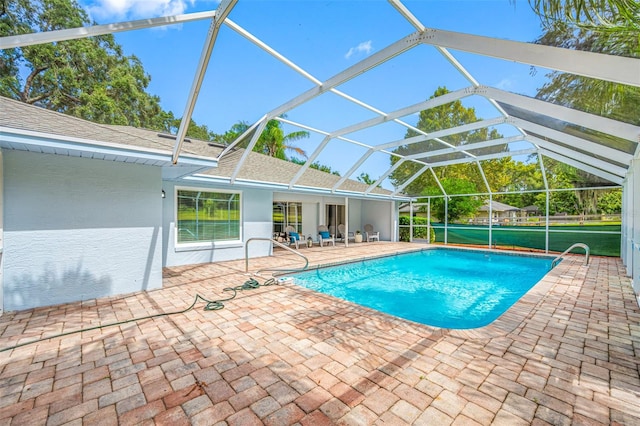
{"x":566,"y":353}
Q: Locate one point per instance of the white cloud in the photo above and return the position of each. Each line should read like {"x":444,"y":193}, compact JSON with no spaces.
{"x":505,"y":84}
{"x":364,"y":47}
{"x":102,"y":10}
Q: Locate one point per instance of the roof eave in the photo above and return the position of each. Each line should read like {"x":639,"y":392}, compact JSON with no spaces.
{"x":31,"y":141}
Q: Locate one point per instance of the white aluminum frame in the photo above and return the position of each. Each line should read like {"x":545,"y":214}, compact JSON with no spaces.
{"x":224,"y":8}
{"x":588,"y":156}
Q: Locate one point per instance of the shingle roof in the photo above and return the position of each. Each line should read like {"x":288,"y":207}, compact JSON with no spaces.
{"x":497,"y":206}
{"x":18,"y":115}
{"x":257,"y":167}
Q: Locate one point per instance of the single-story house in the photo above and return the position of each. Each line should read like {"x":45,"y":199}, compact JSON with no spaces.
{"x":500,"y":212}
{"x":417,"y":210}
{"x":531,"y":210}
{"x":91,"y":210}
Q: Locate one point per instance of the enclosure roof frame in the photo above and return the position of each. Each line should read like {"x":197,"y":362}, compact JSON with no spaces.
{"x":606,"y":162}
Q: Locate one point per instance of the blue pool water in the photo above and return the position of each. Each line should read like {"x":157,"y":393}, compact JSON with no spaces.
{"x":439,"y":287}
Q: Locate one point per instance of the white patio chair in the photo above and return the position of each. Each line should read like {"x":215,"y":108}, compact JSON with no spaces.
{"x":371,"y":234}
{"x":325,"y":236}
{"x":343,"y":236}
{"x":294,"y":237}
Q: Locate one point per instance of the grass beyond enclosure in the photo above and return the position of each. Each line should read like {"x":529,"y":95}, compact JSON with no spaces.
{"x":603,"y":240}
{"x":208,"y":230}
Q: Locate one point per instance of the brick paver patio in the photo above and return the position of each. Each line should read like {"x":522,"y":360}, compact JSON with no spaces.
{"x":566,"y":353}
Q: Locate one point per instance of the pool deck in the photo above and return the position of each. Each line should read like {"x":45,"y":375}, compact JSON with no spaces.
{"x":567,"y":353}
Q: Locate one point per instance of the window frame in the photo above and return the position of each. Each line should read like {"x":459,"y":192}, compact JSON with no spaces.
{"x":204,"y":245}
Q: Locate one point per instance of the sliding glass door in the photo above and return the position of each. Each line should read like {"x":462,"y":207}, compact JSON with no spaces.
{"x":287,"y":214}
{"x":334,"y":215}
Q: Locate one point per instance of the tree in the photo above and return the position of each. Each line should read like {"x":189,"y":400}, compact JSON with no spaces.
{"x":456,"y":207}
{"x":584,"y":201}
{"x":272,"y":141}
{"x":443,"y":117}
{"x":88,"y":77}
{"x":316,"y":165}
{"x":602,"y":26}
{"x":610,"y":202}
{"x":521,"y":177}
{"x":170,"y":124}
{"x":622,"y":16}
{"x":365,"y":178}
{"x":228,"y":137}
{"x":608,"y":99}
{"x":598,"y":97}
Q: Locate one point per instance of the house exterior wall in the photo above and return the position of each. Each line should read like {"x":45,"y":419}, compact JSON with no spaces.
{"x":77,"y":229}
{"x":626,"y":230}
{"x":630,"y":252}
{"x":313,"y":211}
{"x":310,"y":218}
{"x":379,"y":214}
{"x":310,"y":210}
{"x":355,"y":216}
{"x":1,"y":232}
{"x":255,"y":222}
{"x":635,"y":227}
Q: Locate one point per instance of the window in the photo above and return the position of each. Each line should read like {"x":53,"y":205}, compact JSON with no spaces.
{"x":207,"y":216}
{"x":287,"y":214}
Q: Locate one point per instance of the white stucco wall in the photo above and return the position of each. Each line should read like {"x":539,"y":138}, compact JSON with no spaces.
{"x":314,"y":210}
{"x":632,"y":224}
{"x":310,"y":210}
{"x":77,"y":229}
{"x":257,"y":211}
{"x":630,"y":244}
{"x":360,"y":212}
{"x":379,"y":214}
{"x":626,"y":237}
{"x":635,"y":228}
{"x":1,"y":234}
{"x":355,"y":216}
{"x":256,"y":221}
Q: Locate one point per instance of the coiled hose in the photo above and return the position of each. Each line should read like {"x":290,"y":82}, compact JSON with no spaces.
{"x":211,"y":305}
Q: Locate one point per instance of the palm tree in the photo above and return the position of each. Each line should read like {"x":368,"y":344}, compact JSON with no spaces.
{"x":602,"y":15}
{"x":602,"y":26}
{"x":272,"y":142}
{"x":604,"y":98}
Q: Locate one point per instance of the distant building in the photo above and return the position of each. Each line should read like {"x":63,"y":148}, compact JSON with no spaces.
{"x":530,"y":211}
{"x":500,"y":212}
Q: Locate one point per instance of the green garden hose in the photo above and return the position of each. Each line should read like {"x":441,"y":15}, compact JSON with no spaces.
{"x":211,"y":305}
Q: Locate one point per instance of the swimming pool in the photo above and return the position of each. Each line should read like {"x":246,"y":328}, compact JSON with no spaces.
{"x":446,"y":288}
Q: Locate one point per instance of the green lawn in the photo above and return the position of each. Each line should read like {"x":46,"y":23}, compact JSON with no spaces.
{"x":207,"y":230}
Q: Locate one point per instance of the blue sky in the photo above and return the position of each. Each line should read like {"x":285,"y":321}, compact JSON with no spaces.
{"x":322,"y":37}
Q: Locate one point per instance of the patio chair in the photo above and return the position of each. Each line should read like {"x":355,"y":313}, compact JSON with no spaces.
{"x":294,"y":237}
{"x":325,"y":236}
{"x":343,"y":236}
{"x":371,"y":234}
